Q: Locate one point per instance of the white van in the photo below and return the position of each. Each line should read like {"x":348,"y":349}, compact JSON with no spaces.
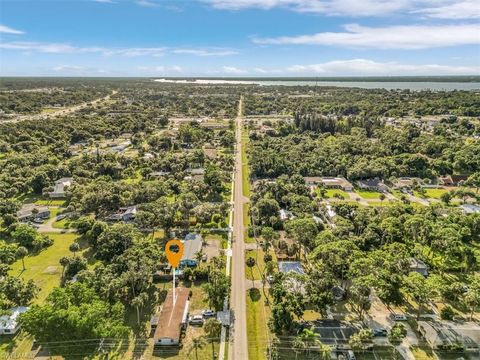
{"x":351,"y":355}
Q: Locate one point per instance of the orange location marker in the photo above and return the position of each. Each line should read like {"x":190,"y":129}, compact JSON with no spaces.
{"x":174,"y":257}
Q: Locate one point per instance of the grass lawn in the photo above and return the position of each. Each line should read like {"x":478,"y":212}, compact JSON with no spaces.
{"x":432,"y":193}
{"x":259,"y":263}
{"x":65,"y":223}
{"x":40,"y":200}
{"x":383,"y":203}
{"x":258,"y":333}
{"x":332,"y":192}
{"x":246,"y":223}
{"x":51,"y":202}
{"x":368,"y":194}
{"x":423,"y":353}
{"x":50,"y":110}
{"x":44,"y":268}
{"x":245,"y":181}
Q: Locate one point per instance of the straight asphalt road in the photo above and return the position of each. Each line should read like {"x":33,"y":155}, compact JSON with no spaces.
{"x":238,"y":335}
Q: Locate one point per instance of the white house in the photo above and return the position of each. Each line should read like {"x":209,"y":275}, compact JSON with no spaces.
{"x":60,"y":186}
{"x":9,"y":324}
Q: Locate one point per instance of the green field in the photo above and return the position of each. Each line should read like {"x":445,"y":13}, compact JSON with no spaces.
{"x":50,"y":202}
{"x":432,"y":193}
{"x":332,"y":192}
{"x":44,"y":268}
{"x":368,"y":194}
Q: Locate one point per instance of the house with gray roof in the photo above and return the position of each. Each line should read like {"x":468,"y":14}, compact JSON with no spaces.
{"x":61,"y":186}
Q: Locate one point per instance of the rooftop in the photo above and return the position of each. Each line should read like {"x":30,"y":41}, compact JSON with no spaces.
{"x":191,"y":245}
{"x":171,"y":316}
{"x":9,"y":322}
{"x":290,"y":266}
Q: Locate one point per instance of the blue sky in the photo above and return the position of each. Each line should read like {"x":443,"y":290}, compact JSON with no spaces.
{"x":239,"y":37}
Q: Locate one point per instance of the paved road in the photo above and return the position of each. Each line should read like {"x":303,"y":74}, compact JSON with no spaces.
{"x":60,"y":112}
{"x":238,"y":335}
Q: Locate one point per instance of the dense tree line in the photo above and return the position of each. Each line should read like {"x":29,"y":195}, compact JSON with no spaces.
{"x":362,"y":102}
{"x":387,"y":152}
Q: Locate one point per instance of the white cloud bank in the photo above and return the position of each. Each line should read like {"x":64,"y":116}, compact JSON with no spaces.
{"x":390,"y":37}
{"x":8,"y":30}
{"x":366,"y":67}
{"x":58,"y":48}
{"x":445,"y":9}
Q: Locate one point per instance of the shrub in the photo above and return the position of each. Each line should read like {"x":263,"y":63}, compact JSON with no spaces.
{"x":447,"y":313}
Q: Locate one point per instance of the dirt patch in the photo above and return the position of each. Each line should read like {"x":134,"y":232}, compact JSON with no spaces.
{"x":51,"y":270}
{"x":212,"y":248}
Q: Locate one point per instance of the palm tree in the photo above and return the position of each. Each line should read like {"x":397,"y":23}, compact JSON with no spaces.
{"x":213,"y":329}
{"x":74,"y":247}
{"x":64,"y":261}
{"x":325,"y":352}
{"x":198,"y":256}
{"x":138,"y":302}
{"x":251,"y":263}
{"x":21,"y":253}
{"x":310,"y":338}
{"x":197,"y":343}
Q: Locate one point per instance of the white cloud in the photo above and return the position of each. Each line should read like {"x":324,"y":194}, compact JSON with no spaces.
{"x":261,"y":70}
{"x":370,"y":67}
{"x":68,"y":68}
{"x":203,"y":52}
{"x":328,"y":7}
{"x":48,"y":47}
{"x":391,"y":37}
{"x":128,"y":52}
{"x":448,"y":9}
{"x":146,"y":3}
{"x":232,"y":70}
{"x":133,"y":52}
{"x":469,"y":9}
{"x":8,"y":30}
{"x":160,"y":68}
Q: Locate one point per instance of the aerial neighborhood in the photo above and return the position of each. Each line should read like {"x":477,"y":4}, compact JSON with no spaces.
{"x":309,"y":229}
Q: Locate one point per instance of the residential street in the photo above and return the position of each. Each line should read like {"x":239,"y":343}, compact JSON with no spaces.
{"x":238,"y":334}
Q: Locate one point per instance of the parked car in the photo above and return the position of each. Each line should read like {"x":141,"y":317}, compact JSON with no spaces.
{"x":196,"y":320}
{"x":38,"y":221}
{"x":351,"y":355}
{"x":270,"y":279}
{"x":399,"y":317}
{"x":379,"y":332}
{"x":204,"y":257}
{"x":208,"y":314}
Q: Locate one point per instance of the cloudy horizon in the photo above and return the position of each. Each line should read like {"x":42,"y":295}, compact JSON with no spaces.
{"x":239,"y":38}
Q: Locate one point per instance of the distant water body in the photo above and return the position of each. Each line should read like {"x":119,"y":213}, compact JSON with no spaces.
{"x":388,"y":85}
